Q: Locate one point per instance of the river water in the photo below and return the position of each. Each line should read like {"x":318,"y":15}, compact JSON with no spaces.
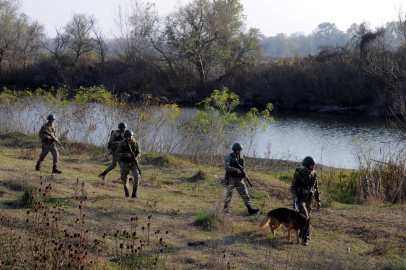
{"x":333,"y":140}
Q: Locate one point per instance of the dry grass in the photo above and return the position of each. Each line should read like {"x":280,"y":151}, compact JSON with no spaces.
{"x":345,"y":236}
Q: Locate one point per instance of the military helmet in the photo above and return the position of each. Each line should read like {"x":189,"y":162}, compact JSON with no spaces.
{"x":122,"y":125}
{"x":236,"y":146}
{"x":51,"y":117}
{"x":128,"y":133}
{"x":307,"y":161}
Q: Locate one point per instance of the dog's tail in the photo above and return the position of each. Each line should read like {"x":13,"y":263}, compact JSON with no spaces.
{"x":265,"y":221}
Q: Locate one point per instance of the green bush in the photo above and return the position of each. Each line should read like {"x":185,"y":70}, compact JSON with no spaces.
{"x":340,"y":185}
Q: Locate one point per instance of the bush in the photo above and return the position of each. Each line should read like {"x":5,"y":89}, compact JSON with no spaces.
{"x":342,"y":185}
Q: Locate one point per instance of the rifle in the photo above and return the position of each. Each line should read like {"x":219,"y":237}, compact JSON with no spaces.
{"x":244,"y":174}
{"x":135,"y":161}
{"x":53,"y":137}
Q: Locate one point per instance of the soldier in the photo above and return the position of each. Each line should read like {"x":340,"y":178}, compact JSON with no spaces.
{"x":48,"y":144}
{"x":304,"y":188}
{"x":116,"y":137}
{"x":234,"y":179}
{"x":127,"y":163}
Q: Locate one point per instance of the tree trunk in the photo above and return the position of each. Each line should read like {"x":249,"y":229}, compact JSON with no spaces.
{"x":201,"y":71}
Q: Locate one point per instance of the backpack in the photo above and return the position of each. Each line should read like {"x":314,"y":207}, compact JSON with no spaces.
{"x":111,"y":134}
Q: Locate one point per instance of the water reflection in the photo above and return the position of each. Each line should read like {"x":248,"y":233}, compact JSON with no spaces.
{"x":334,"y":140}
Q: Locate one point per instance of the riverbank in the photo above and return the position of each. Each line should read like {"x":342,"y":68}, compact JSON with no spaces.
{"x":174,"y":195}
{"x":367,"y":110}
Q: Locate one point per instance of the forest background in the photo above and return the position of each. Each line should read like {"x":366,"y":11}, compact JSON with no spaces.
{"x":205,"y":45}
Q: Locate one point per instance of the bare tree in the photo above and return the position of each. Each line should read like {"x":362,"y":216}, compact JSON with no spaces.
{"x":79,"y":34}
{"x":8,"y":12}
{"x":101,"y":47}
{"x":30,"y":43}
{"x":132,"y":21}
{"x":56,"y":46}
{"x":26,"y":40}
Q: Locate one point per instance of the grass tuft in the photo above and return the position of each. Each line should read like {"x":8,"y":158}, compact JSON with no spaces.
{"x":382,"y":248}
{"x":209,"y":220}
{"x":199,"y":176}
{"x":395,"y":265}
{"x":27,"y":199}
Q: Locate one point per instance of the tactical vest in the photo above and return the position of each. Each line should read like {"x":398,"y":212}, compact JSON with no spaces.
{"x":234,"y":165}
{"x":305,"y":185}
{"x":119,"y":138}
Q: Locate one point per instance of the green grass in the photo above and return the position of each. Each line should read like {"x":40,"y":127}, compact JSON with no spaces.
{"x":208,"y":220}
{"x":184,"y":199}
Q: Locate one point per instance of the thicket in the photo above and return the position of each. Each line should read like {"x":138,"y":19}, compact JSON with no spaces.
{"x":87,"y":115}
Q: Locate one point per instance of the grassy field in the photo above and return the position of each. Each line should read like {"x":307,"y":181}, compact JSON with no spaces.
{"x":76,"y":220}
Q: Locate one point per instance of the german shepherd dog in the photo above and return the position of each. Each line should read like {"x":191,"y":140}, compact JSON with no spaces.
{"x":290,"y":218}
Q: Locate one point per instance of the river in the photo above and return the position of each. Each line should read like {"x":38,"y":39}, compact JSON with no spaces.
{"x":333,"y":140}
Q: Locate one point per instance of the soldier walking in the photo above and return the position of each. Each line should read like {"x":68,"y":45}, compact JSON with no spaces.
{"x":116,"y":137}
{"x":48,"y":144}
{"x":127,"y":163}
{"x":304,"y":188}
{"x":234,"y":179}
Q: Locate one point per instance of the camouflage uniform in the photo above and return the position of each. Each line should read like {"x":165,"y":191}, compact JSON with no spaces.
{"x":115,"y":139}
{"x":127,"y":165}
{"x":48,"y":145}
{"x":304,"y":187}
{"x":234,"y":180}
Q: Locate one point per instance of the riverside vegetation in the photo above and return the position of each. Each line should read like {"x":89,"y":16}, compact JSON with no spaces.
{"x":204,"y":45}
{"x":78,"y":221}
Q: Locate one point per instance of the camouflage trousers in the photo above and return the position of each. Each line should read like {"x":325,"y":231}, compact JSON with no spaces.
{"x":113,"y":164}
{"x":305,"y":207}
{"x":241,"y":188}
{"x":46,"y":148}
{"x":125,"y":169}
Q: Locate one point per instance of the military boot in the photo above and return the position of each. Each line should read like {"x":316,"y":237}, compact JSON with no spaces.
{"x":102,"y":175}
{"x":56,"y":171}
{"x":37,"y":167}
{"x":252,"y":211}
{"x":306,"y":236}
{"x":134,"y":195}
{"x":226,"y":210}
{"x":127,"y":193}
